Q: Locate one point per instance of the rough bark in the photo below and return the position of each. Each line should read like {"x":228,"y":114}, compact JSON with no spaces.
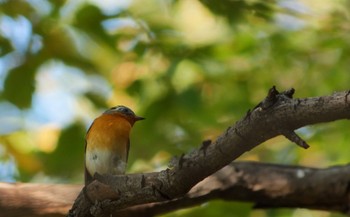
{"x":278,"y":114}
{"x":266,"y":186}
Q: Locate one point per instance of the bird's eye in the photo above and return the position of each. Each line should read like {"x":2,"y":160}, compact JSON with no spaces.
{"x":124,"y":110}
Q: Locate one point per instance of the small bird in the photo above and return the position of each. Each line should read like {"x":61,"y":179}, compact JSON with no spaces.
{"x":107,"y":142}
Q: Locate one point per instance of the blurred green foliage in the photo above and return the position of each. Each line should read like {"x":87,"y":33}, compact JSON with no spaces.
{"x":192,"y":68}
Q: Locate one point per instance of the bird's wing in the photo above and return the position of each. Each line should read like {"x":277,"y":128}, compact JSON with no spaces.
{"x":87,"y":176}
{"x":127,"y":150}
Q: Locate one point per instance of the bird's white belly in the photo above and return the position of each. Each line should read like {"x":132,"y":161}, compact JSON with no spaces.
{"x":104,"y":162}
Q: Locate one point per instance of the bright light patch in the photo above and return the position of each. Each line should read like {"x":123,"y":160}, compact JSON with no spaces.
{"x":197,"y":24}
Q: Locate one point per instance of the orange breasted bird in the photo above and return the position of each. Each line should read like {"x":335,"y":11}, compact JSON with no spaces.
{"x":107,"y":142}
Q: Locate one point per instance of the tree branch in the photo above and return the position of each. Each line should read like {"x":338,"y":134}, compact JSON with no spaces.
{"x":34,"y":200}
{"x":283,"y":114}
{"x":265,"y":185}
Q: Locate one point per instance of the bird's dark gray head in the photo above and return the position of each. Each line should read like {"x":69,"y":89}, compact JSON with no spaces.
{"x":124,"y":111}
{"x":120,"y":109}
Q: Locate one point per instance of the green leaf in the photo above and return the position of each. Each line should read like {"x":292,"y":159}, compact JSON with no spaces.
{"x":235,"y":11}
{"x":5,"y":46}
{"x":89,"y":19}
{"x":96,"y":99}
{"x":68,"y":157}
{"x":19,"y":85}
{"x":15,"y":8}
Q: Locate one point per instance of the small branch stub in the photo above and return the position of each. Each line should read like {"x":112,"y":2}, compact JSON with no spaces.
{"x":293,"y":137}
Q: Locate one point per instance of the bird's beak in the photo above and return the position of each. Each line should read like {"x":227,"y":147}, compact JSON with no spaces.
{"x":137,"y":118}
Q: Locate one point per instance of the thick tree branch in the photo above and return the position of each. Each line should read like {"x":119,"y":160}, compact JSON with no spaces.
{"x":34,"y":200}
{"x":282,"y":114}
{"x":265,"y":185}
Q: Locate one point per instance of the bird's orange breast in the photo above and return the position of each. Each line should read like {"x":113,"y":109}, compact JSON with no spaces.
{"x":109,"y":132}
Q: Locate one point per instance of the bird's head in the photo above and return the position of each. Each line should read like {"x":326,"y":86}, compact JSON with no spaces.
{"x":125,"y":112}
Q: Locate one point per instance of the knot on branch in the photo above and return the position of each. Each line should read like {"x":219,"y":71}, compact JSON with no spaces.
{"x":274,"y":96}
{"x":346,"y":96}
{"x":205,"y":145}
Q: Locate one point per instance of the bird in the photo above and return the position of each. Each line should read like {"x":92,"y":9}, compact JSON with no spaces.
{"x":107,"y":142}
